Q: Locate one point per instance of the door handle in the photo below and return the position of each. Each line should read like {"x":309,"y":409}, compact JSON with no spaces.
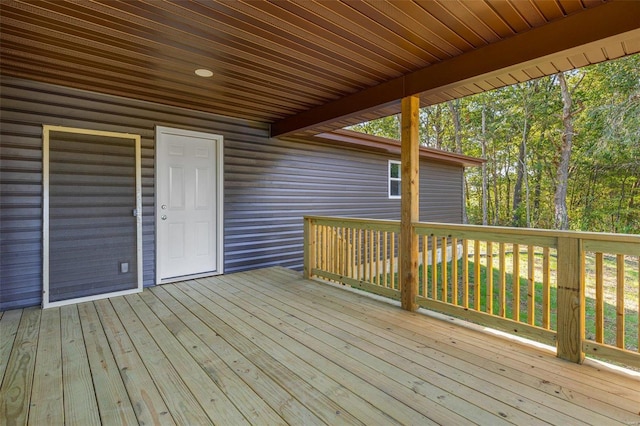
{"x":163,"y":217}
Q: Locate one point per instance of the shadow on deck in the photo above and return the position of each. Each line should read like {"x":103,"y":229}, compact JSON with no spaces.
{"x":267,"y":347}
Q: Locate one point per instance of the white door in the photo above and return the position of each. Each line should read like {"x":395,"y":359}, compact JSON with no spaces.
{"x":189,"y":204}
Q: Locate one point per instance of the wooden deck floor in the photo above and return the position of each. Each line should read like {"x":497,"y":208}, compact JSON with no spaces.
{"x":267,"y":347}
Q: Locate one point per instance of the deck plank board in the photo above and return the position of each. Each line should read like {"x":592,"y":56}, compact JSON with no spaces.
{"x":534,"y":368}
{"x":213,"y":401}
{"x":267,"y":347}
{"x":480,"y":392}
{"x":15,"y":393}
{"x":420,"y":395}
{"x":338,"y":379}
{"x":245,"y":399}
{"x":8,"y":328}
{"x":268,"y":356}
{"x":111,"y":394}
{"x":510,"y":359}
{"x":183,"y":405}
{"x":80,"y":405}
{"x":243,"y":359}
{"x":47,"y":406}
{"x":143,"y":393}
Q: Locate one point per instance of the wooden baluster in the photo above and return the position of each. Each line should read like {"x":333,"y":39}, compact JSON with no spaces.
{"x":343,"y":252}
{"x":327,"y":248}
{"x":489,"y":295}
{"x":454,"y":271}
{"x":620,"y":266}
{"x":443,"y":269}
{"x":465,"y":274}
{"x":378,"y":265}
{"x":385,"y":267}
{"x":338,"y":245}
{"x":332,"y":256}
{"x":599,"y":298}
{"x":336,"y":250}
{"x":546,"y":288}
{"x":434,"y":267}
{"x":320,"y":249}
{"x":515,"y":282}
{"x":354,"y":253}
{"x":392,"y":258}
{"x":477,"y":278}
{"x":502,"y":309}
{"x":531,"y":285}
{"x":367,"y":253}
{"x":350,"y":252}
{"x":425,"y":257}
{"x":372,"y":257}
{"x":310,"y":247}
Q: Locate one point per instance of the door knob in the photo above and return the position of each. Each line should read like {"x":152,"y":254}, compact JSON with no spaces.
{"x":163,"y":217}
{"x":163,"y":207}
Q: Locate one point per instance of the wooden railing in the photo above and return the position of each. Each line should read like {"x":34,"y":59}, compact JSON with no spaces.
{"x":574,"y":290}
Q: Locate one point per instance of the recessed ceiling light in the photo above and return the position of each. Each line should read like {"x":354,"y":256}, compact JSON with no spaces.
{"x":201,"y":72}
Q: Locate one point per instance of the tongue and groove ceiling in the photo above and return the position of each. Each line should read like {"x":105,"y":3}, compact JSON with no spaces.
{"x":307,"y":66}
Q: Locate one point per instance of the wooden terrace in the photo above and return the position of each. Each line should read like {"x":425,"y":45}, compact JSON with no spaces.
{"x":269,"y":347}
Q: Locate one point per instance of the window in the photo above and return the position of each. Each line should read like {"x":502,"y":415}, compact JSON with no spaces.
{"x":394,"y":179}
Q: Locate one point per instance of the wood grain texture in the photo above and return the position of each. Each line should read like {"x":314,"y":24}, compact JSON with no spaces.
{"x":15,"y":393}
{"x":111,"y":394}
{"x":47,"y":396}
{"x":8,"y":328}
{"x":80,"y":405}
{"x":284,"y":350}
{"x":410,"y":203}
{"x":571,"y":309}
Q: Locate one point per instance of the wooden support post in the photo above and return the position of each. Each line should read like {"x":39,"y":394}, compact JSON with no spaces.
{"x":410,"y":159}
{"x":309,"y":247}
{"x":570,"y":307}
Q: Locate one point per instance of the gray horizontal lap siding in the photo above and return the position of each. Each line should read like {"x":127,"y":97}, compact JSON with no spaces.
{"x":269,"y":183}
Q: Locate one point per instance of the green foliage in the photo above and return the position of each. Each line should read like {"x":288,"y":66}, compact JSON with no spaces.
{"x":604,"y":176}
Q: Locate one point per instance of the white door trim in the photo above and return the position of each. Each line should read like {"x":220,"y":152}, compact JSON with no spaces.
{"x":46,"y":129}
{"x":219,"y":151}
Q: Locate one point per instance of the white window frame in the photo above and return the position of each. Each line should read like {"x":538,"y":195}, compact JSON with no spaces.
{"x":392,"y":179}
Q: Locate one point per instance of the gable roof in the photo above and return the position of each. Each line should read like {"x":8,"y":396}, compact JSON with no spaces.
{"x":307,"y":67}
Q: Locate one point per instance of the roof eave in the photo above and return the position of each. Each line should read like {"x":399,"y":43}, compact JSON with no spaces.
{"x":349,"y":138}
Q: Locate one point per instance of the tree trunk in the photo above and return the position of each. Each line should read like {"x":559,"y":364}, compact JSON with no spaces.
{"x":562,"y":175}
{"x":632,"y":194}
{"x":484,"y":167}
{"x":436,"y":122}
{"x":454,"y":108}
{"x":521,"y":169}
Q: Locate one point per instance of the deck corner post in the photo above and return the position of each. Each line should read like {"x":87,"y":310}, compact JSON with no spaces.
{"x":309,"y":247}
{"x":410,"y":167}
{"x":570,"y":300}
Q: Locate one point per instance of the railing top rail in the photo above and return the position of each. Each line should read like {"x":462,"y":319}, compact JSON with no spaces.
{"x":504,"y":230}
{"x":497,"y":232}
{"x":381,"y":224}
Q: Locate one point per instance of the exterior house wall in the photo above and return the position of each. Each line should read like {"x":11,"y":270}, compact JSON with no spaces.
{"x":269,"y":183}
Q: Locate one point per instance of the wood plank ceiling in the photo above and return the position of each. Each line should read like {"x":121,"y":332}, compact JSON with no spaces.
{"x":307,"y":66}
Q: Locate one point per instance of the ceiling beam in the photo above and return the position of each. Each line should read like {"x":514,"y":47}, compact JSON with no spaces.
{"x":613,"y":19}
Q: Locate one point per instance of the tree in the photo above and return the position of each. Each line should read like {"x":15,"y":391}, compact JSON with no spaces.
{"x":561,"y":151}
{"x":562,"y":176}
